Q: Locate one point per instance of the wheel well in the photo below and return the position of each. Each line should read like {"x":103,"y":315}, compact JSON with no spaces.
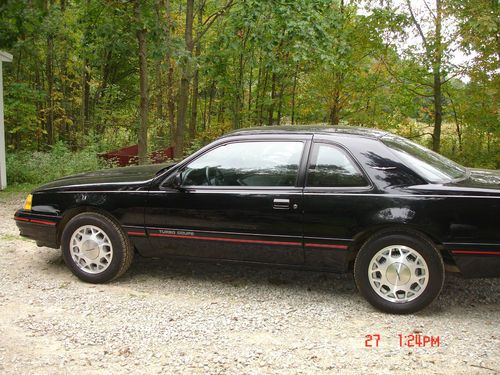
{"x":361,"y":238}
{"x":71,"y":213}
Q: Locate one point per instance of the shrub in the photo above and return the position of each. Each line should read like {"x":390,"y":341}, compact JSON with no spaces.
{"x":34,"y":168}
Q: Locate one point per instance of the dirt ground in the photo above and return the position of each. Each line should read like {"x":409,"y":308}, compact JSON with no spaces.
{"x":178,"y":317}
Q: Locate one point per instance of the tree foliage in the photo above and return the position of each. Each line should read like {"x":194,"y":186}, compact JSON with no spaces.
{"x":209,"y":66}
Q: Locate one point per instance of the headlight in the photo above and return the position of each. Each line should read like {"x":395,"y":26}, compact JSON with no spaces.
{"x":27,"y":203}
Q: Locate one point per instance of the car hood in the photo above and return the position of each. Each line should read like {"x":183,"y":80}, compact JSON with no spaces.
{"x":480,"y":179}
{"x":134,"y":174}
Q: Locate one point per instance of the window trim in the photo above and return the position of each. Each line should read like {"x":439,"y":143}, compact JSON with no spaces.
{"x":349,"y":155}
{"x":188,"y":161}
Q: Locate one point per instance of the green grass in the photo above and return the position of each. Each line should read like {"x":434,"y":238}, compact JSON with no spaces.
{"x":17,"y":188}
{"x":11,"y":237}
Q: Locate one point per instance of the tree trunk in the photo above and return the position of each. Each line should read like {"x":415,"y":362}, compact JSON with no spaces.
{"x":257,"y":93}
{"x":49,"y":72}
{"x":250,"y":84}
{"x":159,"y":82}
{"x":184,"y":84}
{"x":220,"y":115}
{"x":294,"y":90}
{"x":159,"y":95}
{"x":170,"y":73}
{"x":19,"y":63}
{"x":434,"y":54}
{"x":181,"y":112}
{"x":85,"y":108}
{"x":280,"y":102}
{"x":457,"y":122}
{"x":85,"y":97}
{"x":65,"y":88}
{"x":273,"y":95}
{"x":210,"y":105}
{"x":143,"y":83}
{"x":194,"y":106}
{"x":239,"y":90}
{"x":336,"y":106}
{"x":264,"y":89}
{"x":239,"y":97}
{"x":438,"y":112}
{"x":195,"y":93}
{"x":438,"y":99}
{"x":106,"y":71}
{"x":171,"y":100}
{"x":160,"y":113}
{"x":204,"y":112}
{"x":334,"y":112}
{"x":39,"y":105}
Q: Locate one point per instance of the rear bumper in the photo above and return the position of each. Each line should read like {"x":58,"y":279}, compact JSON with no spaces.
{"x":476,"y":260}
{"x":41,"y":228}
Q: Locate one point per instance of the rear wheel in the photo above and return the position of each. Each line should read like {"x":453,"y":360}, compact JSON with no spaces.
{"x":399,"y":272}
{"x":95,"y":248}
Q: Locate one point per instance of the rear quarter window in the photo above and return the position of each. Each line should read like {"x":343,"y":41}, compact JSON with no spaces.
{"x":331,"y":166}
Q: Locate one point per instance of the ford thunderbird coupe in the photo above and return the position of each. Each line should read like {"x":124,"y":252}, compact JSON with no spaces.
{"x":327,"y":199}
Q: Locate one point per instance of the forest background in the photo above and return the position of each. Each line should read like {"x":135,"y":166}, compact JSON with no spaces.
{"x":92,"y":75}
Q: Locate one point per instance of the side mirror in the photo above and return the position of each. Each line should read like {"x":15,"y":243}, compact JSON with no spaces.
{"x":176,"y":181}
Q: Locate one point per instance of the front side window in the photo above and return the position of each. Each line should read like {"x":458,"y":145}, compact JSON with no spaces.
{"x":331,"y":167}
{"x":262,"y":163}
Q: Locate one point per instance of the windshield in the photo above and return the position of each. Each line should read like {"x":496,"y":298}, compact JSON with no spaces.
{"x":429,"y":164}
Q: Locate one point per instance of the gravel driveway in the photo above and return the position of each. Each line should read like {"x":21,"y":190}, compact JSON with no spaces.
{"x":178,"y":317}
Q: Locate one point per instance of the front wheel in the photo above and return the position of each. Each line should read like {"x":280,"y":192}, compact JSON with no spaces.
{"x":399,"y":273}
{"x":95,"y":248}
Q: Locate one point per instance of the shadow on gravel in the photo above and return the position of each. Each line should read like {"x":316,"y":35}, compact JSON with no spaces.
{"x":239,"y":275}
{"x":457,"y":291}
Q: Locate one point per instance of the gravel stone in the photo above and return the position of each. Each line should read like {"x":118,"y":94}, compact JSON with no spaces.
{"x":174,"y":317}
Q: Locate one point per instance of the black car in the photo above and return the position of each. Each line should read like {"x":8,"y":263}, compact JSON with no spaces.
{"x":329,"y":199}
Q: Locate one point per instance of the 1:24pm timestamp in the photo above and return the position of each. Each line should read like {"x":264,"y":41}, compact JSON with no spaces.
{"x":406,"y":341}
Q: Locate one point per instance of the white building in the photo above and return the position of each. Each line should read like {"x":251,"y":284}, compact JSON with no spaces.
{"x":7,"y":57}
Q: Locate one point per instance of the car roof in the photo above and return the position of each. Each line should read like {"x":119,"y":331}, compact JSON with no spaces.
{"x":311,"y":129}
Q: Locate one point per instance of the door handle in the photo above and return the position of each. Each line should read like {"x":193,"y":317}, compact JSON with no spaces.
{"x":281,"y":204}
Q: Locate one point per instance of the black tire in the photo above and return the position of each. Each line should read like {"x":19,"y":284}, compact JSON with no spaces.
{"x":373,"y":289}
{"x":121,"y":250}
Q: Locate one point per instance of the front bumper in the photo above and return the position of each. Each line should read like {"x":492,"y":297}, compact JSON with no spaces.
{"x":41,"y":228}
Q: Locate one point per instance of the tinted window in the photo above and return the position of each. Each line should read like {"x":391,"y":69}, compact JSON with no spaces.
{"x":429,"y":164}
{"x":331,"y":167}
{"x":246,"y":164}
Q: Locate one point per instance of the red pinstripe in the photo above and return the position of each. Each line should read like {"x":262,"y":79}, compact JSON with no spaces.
{"x":475,"y":252}
{"x":326,"y":245}
{"x":136,"y":233}
{"x":36,"y":221}
{"x":226,"y":239}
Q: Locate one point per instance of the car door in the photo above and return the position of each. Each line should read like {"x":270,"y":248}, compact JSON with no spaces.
{"x":240,"y":200}
{"x":335,"y":204}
